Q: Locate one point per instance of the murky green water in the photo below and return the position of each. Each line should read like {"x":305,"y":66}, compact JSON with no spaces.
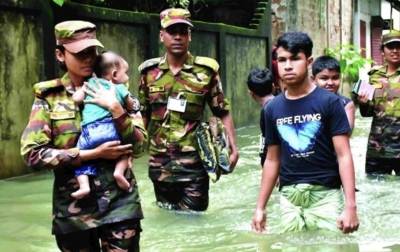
{"x":25,"y":212}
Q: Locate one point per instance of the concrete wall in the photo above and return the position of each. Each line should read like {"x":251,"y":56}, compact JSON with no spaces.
{"x":27,"y":57}
{"x":314,"y":23}
{"x":328,"y":22}
{"x":127,"y":40}
{"x":347,"y":22}
{"x":280,"y":8}
{"x":21,"y":65}
{"x":240,"y":61}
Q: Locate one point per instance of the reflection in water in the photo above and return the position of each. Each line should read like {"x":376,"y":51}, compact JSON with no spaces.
{"x":25,"y":212}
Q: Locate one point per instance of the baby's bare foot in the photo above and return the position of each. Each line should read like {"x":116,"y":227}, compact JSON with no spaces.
{"x":82,"y":192}
{"x":121,"y":181}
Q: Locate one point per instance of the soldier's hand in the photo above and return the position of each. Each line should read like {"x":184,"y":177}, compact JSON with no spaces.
{"x":363,"y":97}
{"x":136,"y":115}
{"x":101,"y":96}
{"x":81,"y":88}
{"x":112,"y":150}
{"x":233,"y":158}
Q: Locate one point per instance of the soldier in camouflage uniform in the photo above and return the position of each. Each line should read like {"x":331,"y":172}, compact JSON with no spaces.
{"x":383,"y":151}
{"x":48,"y":142}
{"x":173,"y":91}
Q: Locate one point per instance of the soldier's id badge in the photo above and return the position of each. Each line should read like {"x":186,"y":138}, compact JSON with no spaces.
{"x":176,"y":104}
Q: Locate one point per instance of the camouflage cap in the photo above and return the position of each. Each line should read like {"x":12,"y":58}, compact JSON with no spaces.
{"x":174,"y":16}
{"x":391,"y":37}
{"x":76,"y":36}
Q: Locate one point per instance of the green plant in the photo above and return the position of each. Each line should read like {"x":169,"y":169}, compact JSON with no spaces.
{"x":61,"y":2}
{"x":185,"y":4}
{"x":350,"y":59}
{"x":182,"y":3}
{"x":172,"y":3}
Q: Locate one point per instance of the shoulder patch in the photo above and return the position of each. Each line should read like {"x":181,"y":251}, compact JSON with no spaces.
{"x":208,"y":62}
{"x":375,"y":69}
{"x":136,"y":103}
{"x":42,"y":87}
{"x":149,"y":63}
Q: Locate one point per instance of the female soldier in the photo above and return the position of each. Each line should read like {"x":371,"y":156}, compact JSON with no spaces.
{"x":383,"y":150}
{"x":109,"y":213}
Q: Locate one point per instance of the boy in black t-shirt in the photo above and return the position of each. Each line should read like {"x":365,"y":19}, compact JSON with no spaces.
{"x":260,"y":87}
{"x":304,"y":127}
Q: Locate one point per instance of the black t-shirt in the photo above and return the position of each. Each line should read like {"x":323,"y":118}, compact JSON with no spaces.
{"x":263,"y":147}
{"x":345,"y":100}
{"x":304,"y":129}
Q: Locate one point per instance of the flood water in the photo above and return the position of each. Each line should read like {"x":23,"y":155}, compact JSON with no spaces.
{"x":25,"y":212}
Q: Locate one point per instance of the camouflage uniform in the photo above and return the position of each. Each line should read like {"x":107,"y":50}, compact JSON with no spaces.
{"x":383,"y":148}
{"x":49,"y":142}
{"x":175,"y":166}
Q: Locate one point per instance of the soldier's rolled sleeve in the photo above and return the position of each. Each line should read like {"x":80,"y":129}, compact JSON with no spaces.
{"x":132,"y":131}
{"x":219,"y":105}
{"x":143,"y":97}
{"x":36,"y":146}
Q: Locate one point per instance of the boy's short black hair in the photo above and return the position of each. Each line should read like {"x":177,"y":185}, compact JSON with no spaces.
{"x":296,"y":42}
{"x":259,"y":81}
{"x":102,"y":65}
{"x":325,"y":62}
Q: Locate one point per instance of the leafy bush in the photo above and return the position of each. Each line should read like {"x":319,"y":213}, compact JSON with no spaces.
{"x":172,"y":3}
{"x":350,"y":59}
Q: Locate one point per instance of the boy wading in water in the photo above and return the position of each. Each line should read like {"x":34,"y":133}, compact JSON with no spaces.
{"x":259,"y":82}
{"x":326,"y":74}
{"x":304,"y":127}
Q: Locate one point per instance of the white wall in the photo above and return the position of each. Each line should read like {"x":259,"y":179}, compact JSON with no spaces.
{"x":364,"y":14}
{"x":385,"y":13}
{"x":364,"y":6}
{"x":375,"y":7}
{"x":366,"y":9}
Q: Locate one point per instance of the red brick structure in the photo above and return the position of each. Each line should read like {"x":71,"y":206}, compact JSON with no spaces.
{"x":323,"y":20}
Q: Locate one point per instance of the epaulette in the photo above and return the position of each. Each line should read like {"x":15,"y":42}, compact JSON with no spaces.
{"x":149,"y":63}
{"x":374,"y":69}
{"x":42,"y":87}
{"x":208,"y":62}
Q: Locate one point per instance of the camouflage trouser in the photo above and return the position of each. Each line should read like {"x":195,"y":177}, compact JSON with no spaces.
{"x":191,"y":195}
{"x":382,"y":165}
{"x":120,"y":236}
